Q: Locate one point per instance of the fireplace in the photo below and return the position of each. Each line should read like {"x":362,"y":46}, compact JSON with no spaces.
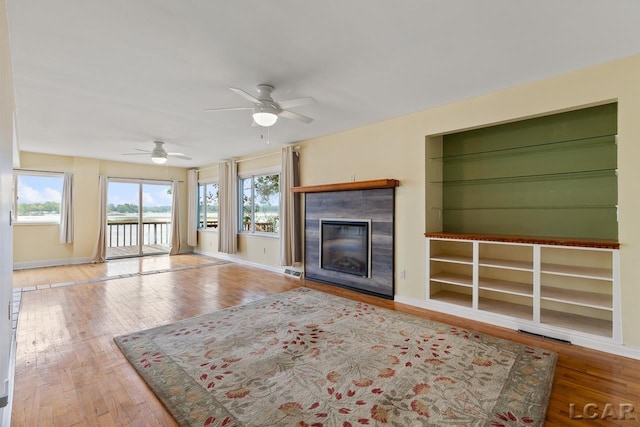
{"x":345,"y":246}
{"x":348,"y":236}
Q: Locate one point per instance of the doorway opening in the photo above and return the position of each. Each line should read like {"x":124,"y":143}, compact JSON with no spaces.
{"x":138,"y":218}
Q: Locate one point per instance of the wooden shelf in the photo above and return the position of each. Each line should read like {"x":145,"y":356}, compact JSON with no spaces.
{"x":504,"y":286}
{"x":553,"y":145}
{"x":453,"y":279}
{"x":576,"y":322}
{"x":507,"y":264}
{"x":569,"y":296}
{"x":346,"y":186}
{"x":571,"y":174}
{"x":453,"y":298}
{"x":506,"y":308}
{"x":577,"y":271}
{"x":456,"y":259}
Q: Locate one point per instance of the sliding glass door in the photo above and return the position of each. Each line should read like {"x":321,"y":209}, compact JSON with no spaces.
{"x":138,"y":218}
{"x":156,"y":218}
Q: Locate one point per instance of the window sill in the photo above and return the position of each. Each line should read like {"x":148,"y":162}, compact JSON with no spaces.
{"x":258,"y":234}
{"x":22,"y":224}
{"x":208,"y":230}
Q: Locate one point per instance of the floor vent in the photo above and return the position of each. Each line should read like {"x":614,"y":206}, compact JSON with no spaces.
{"x":297,"y":274}
{"x":545,"y":336}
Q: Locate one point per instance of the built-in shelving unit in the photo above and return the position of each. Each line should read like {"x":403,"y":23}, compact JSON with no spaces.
{"x":554,"y":175}
{"x":561,"y":288}
{"x":492,"y":195}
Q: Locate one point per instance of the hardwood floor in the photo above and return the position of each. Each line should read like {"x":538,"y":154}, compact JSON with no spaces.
{"x":69,"y":371}
{"x":68,"y":275}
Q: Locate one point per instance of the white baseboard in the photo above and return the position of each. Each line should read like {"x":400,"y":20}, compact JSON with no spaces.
{"x":575,"y":337}
{"x":50,"y":263}
{"x":228,"y":257}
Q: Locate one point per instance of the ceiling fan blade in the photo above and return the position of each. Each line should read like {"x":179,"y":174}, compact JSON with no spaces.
{"x":295,"y":116}
{"x":178,"y":156}
{"x":137,"y":154}
{"x":228,"y":109}
{"x":246,"y":96}
{"x":297,"y":102}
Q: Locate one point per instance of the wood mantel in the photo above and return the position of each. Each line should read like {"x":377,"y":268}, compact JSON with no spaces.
{"x":345,"y":186}
{"x":585,"y":243}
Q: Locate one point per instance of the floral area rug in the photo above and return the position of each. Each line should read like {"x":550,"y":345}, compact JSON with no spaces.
{"x":306,"y":358}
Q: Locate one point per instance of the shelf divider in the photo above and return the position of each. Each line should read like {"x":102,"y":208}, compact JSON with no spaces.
{"x":578,"y":271}
{"x":506,"y":264}
{"x":453,"y":279}
{"x":599,"y":139}
{"x":456,"y":259}
{"x":582,"y":298}
{"x":507,"y":287}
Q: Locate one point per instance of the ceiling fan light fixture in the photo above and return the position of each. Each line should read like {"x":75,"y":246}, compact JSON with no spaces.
{"x":265,"y":116}
{"x":159,"y":160}
{"x":158,"y":155}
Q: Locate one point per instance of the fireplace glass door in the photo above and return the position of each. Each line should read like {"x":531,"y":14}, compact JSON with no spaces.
{"x":345,"y":246}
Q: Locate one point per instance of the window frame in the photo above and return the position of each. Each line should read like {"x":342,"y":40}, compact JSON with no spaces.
{"x":15,"y":217}
{"x":205,"y":184}
{"x":240,"y":202}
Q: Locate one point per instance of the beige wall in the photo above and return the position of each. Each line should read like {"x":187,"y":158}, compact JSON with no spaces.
{"x":390,"y":149}
{"x":397,"y":149}
{"x":39,"y":245}
{"x":252,"y":248}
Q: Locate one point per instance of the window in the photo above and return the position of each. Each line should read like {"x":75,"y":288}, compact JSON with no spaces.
{"x":37,"y":197}
{"x":208,"y":205}
{"x":260,"y":198}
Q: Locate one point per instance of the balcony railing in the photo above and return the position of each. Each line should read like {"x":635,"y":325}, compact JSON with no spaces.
{"x":125,"y":233}
{"x":265,"y":227}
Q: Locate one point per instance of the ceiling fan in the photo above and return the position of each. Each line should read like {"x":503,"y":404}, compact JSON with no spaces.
{"x":158,"y":155}
{"x":266,"y":111}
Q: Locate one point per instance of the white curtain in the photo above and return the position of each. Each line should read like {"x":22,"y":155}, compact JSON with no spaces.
{"x":192,"y":207}
{"x":66,"y":210}
{"x":100,"y":251}
{"x":290,"y":248}
{"x":227,"y":221}
{"x":175,"y":220}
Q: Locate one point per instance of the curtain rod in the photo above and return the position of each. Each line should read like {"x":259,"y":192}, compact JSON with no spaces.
{"x":238,"y":161}
{"x":258,"y":157}
{"x":206,"y":169}
{"x":110,"y":177}
{"x":36,"y":171}
{"x":143,"y":179}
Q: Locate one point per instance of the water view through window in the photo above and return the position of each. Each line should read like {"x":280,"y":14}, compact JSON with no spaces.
{"x":38,"y":197}
{"x":138,"y":218}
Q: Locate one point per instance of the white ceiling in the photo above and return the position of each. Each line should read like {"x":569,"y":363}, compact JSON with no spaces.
{"x":96,"y":78}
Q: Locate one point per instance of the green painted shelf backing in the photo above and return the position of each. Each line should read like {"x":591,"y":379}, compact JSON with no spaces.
{"x":552,"y":176}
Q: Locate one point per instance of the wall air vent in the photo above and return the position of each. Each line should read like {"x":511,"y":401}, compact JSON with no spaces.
{"x":297,"y":274}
